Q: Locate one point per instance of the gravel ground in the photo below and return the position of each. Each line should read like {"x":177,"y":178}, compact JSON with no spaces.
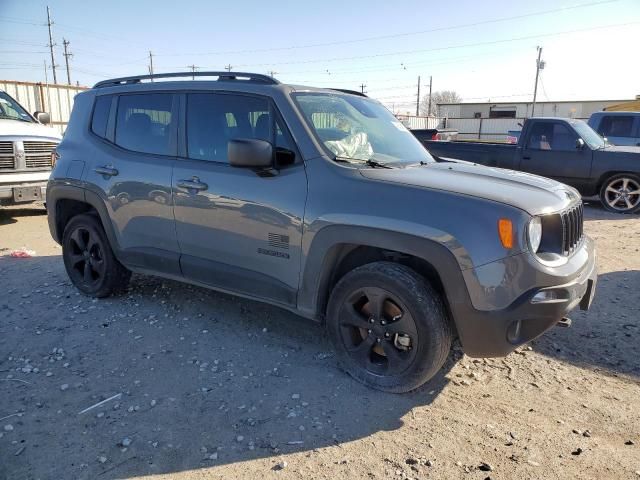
{"x":211,"y":386}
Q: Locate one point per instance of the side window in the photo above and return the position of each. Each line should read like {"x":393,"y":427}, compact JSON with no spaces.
{"x":551,"y":136}
{"x":616,"y":126}
{"x":215,"y":119}
{"x":143,"y":123}
{"x":100,"y":118}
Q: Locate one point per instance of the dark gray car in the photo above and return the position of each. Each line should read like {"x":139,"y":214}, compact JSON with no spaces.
{"x":321,"y":202}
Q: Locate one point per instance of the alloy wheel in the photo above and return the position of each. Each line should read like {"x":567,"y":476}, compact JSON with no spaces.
{"x":85,"y":257}
{"x":378,"y":331}
{"x":622,"y":194}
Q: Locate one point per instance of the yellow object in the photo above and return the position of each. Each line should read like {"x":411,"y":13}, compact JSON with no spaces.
{"x":630,"y":106}
{"x":505,"y":230}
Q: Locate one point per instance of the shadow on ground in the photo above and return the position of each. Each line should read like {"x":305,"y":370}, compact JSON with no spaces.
{"x":205,"y":378}
{"x":595,"y":211}
{"x":8,"y":214}
{"x":607,"y":336}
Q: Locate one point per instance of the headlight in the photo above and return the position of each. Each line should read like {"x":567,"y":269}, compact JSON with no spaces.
{"x":534,"y":232}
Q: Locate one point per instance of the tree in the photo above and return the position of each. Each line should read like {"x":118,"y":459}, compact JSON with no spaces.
{"x":441,"y":96}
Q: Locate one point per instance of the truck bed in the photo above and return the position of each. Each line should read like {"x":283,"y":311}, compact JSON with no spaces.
{"x":491,"y":154}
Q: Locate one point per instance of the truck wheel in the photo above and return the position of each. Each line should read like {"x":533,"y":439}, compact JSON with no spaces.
{"x":89,"y":260}
{"x":388,"y":326}
{"x":621,"y":193}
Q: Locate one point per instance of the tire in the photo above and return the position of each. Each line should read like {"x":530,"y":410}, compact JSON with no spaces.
{"x":409,"y":338}
{"x":89,"y":260}
{"x":621,"y":193}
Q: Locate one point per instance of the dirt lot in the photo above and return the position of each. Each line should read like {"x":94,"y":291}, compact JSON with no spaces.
{"x":216,"y":387}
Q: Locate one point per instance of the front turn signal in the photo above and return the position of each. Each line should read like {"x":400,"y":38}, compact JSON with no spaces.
{"x":505,"y":231}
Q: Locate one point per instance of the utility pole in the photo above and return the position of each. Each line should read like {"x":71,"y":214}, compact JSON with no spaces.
{"x":151,"y":64}
{"x":273,"y":73}
{"x":51,"y":44}
{"x":193,"y":70}
{"x":228,"y":67}
{"x":418,"y":99}
{"x":362,"y":87}
{"x":539,"y":66}
{"x":430,"y":85}
{"x":66,"y":54}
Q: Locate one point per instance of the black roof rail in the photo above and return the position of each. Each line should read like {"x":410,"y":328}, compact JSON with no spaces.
{"x":352,"y":92}
{"x":222,"y":76}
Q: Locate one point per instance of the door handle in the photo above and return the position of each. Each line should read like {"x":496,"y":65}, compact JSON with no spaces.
{"x":106,"y":171}
{"x":193,"y":184}
{"x":526,"y":158}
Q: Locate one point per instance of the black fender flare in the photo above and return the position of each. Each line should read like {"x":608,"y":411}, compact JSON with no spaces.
{"x":324,"y":252}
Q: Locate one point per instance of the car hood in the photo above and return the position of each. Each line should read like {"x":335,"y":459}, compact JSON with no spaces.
{"x":531,"y":193}
{"x":17,"y":128}
{"x":620,"y":149}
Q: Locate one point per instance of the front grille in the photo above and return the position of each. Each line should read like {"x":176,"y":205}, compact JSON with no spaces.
{"x":38,"y":154}
{"x":6,"y":155}
{"x":572,"y":228}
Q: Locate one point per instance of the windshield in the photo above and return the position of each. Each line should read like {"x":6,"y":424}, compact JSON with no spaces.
{"x":588,"y":134}
{"x":10,"y":109}
{"x":359,"y":129}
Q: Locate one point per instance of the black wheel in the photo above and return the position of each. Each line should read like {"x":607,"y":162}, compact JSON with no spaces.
{"x":89,"y":260}
{"x":621,"y":193}
{"x":388,"y":326}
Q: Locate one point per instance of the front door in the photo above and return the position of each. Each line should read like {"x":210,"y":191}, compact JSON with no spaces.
{"x":238,"y":229}
{"x":551,"y":151}
{"x":136,"y":141}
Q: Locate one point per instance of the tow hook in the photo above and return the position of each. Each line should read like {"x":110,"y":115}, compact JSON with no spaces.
{"x":564,"y":322}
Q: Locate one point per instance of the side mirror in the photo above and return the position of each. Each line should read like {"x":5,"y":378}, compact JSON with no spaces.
{"x":250,"y":153}
{"x":579,"y":144}
{"x":42,"y":117}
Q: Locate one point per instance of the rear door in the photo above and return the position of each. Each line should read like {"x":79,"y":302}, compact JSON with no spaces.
{"x":135,"y":140}
{"x":551,"y":151}
{"x":238,"y":229}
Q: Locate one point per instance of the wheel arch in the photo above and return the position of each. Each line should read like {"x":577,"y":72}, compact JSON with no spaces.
{"x":607,"y":175}
{"x":336,"y":250}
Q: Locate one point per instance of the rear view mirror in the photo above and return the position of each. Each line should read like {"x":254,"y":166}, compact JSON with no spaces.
{"x":42,"y":117}
{"x":250,"y":153}
{"x":579,"y":144}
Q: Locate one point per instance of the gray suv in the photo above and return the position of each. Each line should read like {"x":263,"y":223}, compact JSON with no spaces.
{"x":321,"y":202}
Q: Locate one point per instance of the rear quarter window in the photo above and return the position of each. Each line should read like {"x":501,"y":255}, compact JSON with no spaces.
{"x":100,"y":119}
{"x":616,"y":126}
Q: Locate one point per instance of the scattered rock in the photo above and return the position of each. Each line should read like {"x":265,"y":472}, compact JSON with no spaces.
{"x":576,"y":431}
{"x":64,"y":386}
{"x":629,"y":442}
{"x":295,"y":396}
{"x":577,"y":451}
{"x":411,"y":461}
{"x":102,"y":459}
{"x":485,"y":467}
{"x":533,"y":463}
{"x":213,"y":456}
{"x":8,"y":428}
{"x":126,"y":441}
{"x":586,"y":433}
{"x":280,"y":465}
{"x":239,"y":438}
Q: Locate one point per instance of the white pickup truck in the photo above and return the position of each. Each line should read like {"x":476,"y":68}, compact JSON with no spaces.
{"x":26,"y":152}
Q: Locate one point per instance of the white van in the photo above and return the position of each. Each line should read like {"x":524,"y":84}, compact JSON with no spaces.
{"x":26,"y":152}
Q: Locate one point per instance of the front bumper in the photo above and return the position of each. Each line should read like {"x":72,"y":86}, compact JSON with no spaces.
{"x":9,"y":196}
{"x":546,"y":296}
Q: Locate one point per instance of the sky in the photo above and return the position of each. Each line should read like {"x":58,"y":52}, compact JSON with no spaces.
{"x":485,"y":51}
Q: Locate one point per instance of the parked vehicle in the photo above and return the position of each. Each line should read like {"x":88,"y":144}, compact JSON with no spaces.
{"x":619,"y":128}
{"x":321,"y":202}
{"x":26,"y":148}
{"x":445,"y":134}
{"x":563,"y":149}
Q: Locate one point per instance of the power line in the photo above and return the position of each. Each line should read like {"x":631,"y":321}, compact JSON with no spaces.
{"x":449,"y":47}
{"x":404,"y":34}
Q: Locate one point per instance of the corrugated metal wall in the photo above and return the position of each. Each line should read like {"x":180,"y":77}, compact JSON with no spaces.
{"x":484,"y":128}
{"x":55,"y":99}
{"x":412,"y":122}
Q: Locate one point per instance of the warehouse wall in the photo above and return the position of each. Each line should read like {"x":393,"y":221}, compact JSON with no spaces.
{"x":55,"y":99}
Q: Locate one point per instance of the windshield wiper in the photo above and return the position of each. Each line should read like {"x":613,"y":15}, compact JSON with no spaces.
{"x":369,"y":162}
{"x":9,"y":117}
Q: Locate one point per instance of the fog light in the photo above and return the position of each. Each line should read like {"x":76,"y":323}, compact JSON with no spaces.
{"x":550,"y":296}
